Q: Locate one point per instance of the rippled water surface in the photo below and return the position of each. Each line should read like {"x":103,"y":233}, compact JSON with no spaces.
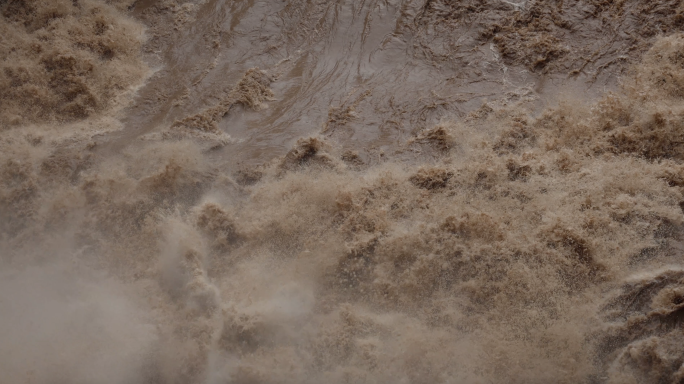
{"x":357,"y":191}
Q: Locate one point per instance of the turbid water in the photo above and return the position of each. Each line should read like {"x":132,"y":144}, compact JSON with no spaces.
{"x":352,"y":191}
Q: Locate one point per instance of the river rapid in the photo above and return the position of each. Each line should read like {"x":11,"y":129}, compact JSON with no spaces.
{"x":349,"y":191}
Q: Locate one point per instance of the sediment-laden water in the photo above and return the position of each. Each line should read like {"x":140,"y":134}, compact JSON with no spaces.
{"x":352,"y":191}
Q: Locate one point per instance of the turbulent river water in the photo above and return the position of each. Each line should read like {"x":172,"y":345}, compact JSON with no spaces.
{"x":348,"y":191}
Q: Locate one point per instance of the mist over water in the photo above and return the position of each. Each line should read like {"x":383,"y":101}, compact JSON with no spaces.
{"x":380,"y":191}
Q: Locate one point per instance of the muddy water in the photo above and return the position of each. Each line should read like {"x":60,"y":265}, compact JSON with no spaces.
{"x":369,"y":59}
{"x":354,"y":191}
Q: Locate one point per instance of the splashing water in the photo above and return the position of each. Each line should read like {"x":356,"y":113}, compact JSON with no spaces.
{"x":385,"y":191}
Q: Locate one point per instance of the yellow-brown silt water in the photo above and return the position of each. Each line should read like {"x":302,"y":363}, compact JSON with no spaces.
{"x":349,"y":191}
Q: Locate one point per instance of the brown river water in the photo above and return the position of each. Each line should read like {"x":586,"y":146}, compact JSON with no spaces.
{"x":348,"y":191}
